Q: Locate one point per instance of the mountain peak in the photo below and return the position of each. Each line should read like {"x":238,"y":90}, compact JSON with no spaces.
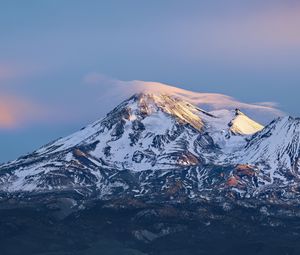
{"x":149,"y":137}
{"x":206,"y":101}
{"x":281,"y":155}
{"x":238,"y":112}
{"x":243,"y":125}
{"x":147,"y":103}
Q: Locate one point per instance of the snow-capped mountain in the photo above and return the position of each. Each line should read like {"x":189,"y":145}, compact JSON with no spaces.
{"x":118,"y":91}
{"x":276,"y":151}
{"x":155,"y":144}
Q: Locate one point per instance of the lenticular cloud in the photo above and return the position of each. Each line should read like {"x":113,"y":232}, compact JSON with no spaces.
{"x":263,"y":113}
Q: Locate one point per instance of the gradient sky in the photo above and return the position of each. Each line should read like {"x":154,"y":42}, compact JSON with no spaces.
{"x":51,"y":52}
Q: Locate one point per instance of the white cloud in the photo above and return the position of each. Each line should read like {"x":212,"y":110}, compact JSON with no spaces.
{"x":110,"y":93}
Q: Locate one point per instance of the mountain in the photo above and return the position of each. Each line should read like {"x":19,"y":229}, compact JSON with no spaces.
{"x":153,"y":141}
{"x":147,"y":132}
{"x":276,"y":151}
{"x":157,"y":175}
{"x":117,"y":91}
{"x":243,"y":125}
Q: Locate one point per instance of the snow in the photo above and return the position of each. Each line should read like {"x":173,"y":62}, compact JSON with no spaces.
{"x":158,"y":123}
{"x":179,"y":125}
{"x":162,"y":113}
{"x":277,"y":147}
{"x":208,"y":101}
{"x":243,"y":125}
{"x":162,"y":110}
{"x":69,"y":157}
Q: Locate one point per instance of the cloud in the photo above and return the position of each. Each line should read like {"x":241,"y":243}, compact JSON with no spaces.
{"x":15,"y":111}
{"x":85,"y":104}
{"x":262,"y":112}
{"x":109,"y":93}
{"x":268,"y":104}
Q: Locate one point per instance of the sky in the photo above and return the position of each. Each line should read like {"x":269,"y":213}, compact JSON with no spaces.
{"x":60,"y":59}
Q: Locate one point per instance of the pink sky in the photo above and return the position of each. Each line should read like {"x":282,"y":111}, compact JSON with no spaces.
{"x":15,"y":111}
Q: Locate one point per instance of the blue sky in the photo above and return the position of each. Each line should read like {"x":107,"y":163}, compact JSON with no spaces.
{"x":246,"y":49}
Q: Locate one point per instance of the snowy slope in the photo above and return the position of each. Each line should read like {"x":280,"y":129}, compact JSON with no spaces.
{"x":151,"y":142}
{"x":276,"y":150}
{"x":144,"y":130}
{"x":157,"y":129}
{"x":243,"y":125}
{"x":262,"y":112}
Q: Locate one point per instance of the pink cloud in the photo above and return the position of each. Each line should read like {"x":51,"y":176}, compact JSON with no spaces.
{"x":118,"y":90}
{"x":15,"y":111}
